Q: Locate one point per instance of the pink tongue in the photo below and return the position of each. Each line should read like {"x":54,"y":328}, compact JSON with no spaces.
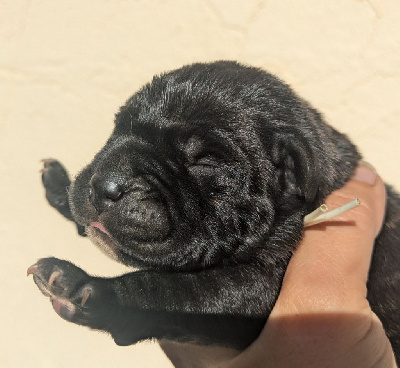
{"x":100,"y":226}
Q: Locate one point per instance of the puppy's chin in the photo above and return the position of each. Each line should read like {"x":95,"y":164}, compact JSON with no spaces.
{"x":134,"y":254}
{"x":104,"y":241}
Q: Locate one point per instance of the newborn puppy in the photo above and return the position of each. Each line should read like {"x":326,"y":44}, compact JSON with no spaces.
{"x":203,"y":185}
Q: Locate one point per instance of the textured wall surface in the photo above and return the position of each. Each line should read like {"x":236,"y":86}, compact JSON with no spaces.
{"x":66,"y":66}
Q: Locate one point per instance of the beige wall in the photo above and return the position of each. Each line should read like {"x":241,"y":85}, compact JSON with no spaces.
{"x":66,"y":66}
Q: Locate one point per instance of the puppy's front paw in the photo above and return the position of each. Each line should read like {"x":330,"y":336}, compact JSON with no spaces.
{"x":56,"y":181}
{"x":75,"y":296}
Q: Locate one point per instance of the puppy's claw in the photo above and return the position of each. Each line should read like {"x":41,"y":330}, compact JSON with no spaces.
{"x":47,"y":160}
{"x":85,"y":297}
{"x":32,"y":270}
{"x":53,"y":277}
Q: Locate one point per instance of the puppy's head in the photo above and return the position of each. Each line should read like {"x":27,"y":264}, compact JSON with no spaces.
{"x":204,"y":164}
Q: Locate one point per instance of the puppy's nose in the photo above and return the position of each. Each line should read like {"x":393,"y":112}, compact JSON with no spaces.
{"x":104,"y":190}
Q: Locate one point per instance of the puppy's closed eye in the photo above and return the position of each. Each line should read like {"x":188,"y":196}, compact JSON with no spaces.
{"x":207,"y":161}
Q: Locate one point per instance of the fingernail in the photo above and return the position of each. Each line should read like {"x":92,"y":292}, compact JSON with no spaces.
{"x":366,"y":173}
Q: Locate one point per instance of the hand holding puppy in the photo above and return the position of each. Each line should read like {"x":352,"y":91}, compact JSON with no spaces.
{"x":322,"y":317}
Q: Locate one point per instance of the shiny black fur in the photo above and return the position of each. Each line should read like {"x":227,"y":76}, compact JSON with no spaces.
{"x":203,"y":185}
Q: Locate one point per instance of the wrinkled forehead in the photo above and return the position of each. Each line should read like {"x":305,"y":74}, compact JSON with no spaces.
{"x":174,"y":142}
{"x":190,"y":134}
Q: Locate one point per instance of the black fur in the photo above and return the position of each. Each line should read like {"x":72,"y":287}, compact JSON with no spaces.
{"x":204,"y":184}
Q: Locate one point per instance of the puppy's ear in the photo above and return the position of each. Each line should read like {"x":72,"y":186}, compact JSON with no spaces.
{"x":294,"y":157}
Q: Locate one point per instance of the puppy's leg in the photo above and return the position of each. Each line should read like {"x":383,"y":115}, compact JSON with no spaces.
{"x":56,"y":182}
{"x":146,"y":304}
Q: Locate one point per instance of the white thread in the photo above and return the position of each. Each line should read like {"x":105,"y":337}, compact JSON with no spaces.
{"x":318,"y":212}
{"x":322,"y":214}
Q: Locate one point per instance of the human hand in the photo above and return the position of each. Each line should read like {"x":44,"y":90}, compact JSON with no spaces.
{"x":322,"y":317}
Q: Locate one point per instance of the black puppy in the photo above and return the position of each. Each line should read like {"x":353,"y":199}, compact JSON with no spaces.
{"x":203,"y":185}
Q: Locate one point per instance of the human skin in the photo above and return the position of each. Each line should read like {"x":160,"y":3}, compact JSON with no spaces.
{"x":322,"y":317}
